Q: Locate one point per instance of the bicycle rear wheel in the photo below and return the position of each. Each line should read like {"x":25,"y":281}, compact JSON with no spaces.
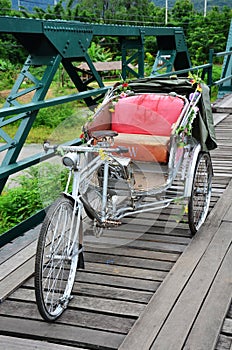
{"x":57,"y":258}
{"x":201,"y":192}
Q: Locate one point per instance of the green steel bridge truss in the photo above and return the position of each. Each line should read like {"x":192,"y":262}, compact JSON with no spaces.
{"x":54,"y":43}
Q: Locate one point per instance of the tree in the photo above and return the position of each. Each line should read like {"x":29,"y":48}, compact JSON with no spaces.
{"x":5,"y":7}
{"x":210,"y":32}
{"x":182,"y":10}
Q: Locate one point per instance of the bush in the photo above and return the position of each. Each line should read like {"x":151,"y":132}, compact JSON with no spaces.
{"x":38,"y":187}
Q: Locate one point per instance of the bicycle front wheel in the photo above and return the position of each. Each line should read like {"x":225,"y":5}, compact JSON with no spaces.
{"x":56,"y":258}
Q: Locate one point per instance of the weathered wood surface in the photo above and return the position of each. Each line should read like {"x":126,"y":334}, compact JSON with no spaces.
{"x":109,"y":295}
{"x":224,"y":105}
{"x":126,"y":279}
{"x":171,"y":312}
{"x":13,"y":343}
{"x":17,"y":262}
{"x":189,"y":307}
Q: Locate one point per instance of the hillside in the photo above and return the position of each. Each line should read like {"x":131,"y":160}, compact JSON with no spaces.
{"x":198,"y":4}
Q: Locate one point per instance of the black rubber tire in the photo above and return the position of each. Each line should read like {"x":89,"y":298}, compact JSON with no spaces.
{"x":199,"y":200}
{"x":56,"y":259}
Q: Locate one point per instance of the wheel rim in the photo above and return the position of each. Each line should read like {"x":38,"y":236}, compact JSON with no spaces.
{"x":59,"y":260}
{"x":201,"y":192}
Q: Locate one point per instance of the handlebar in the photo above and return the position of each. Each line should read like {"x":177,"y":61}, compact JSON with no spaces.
{"x":47,"y":146}
{"x":81,"y":149}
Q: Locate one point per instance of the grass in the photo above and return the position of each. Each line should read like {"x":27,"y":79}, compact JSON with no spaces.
{"x":39,"y":134}
{"x":58,"y":124}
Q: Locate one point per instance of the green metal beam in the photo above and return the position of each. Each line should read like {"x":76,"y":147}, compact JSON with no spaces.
{"x":225,"y":83}
{"x":16,"y":25}
{"x":26,"y":119}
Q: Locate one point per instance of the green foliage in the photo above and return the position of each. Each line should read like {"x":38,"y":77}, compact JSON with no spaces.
{"x":198,"y":4}
{"x":53,"y":116}
{"x":5,"y":7}
{"x":6,"y":65}
{"x":11,"y":50}
{"x":205,"y":33}
{"x":182,"y":11}
{"x":8,"y":74}
{"x":38,"y":187}
{"x":98,"y":54}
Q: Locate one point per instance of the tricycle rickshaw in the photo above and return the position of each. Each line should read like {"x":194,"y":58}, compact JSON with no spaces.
{"x":149,"y":138}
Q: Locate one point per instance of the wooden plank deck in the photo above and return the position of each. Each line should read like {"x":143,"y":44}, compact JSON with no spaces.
{"x":187,"y":310}
{"x":155,"y":288}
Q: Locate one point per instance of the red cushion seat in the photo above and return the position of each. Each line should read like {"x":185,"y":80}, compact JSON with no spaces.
{"x":144,"y":123}
{"x":149,"y":114}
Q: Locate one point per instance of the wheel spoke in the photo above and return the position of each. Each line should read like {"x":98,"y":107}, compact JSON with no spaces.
{"x":56,"y":259}
{"x":201,"y":192}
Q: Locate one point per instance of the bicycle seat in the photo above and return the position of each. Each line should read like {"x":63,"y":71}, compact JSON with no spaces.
{"x":99,"y":134}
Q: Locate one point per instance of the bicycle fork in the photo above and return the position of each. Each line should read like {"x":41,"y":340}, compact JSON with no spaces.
{"x":104,"y":191}
{"x":76,"y":224}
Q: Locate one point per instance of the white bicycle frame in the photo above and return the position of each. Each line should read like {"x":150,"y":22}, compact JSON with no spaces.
{"x":76,"y":158}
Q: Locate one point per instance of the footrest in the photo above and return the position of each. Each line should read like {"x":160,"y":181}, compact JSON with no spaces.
{"x":99,"y":134}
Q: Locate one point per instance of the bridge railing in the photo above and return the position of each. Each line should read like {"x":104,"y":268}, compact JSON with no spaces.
{"x":205,"y":71}
{"x":225,"y":82}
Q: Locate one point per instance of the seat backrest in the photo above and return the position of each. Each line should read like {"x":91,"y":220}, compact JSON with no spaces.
{"x":149,"y":114}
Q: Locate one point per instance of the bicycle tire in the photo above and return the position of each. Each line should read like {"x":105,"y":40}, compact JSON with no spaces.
{"x":199,"y":200}
{"x":56,"y":259}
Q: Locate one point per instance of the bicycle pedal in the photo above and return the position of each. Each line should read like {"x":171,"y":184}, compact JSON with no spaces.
{"x":112,"y":223}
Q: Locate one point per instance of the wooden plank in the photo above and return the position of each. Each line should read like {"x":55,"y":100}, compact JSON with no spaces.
{"x":170,"y":227}
{"x":219,"y":117}
{"x":227,"y":326}
{"x":117,"y":307}
{"x":60,"y":333}
{"x":115,"y":260}
{"x":118,"y":281}
{"x":224,"y":106}
{"x":160,"y":246}
{"x":132,"y":252}
{"x":72,"y":316}
{"x":205,"y":330}
{"x":17,"y":260}
{"x":12,"y":248}
{"x":230,"y":311}
{"x":224,"y":343}
{"x":16,"y":278}
{"x":150,"y":322}
{"x":218,"y":212}
{"x":111,"y":269}
{"x":228,"y":215}
{"x":13,"y":343}
{"x":150,"y":236}
{"x":194,"y":293}
{"x":110,"y":242}
{"x":90,"y":289}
